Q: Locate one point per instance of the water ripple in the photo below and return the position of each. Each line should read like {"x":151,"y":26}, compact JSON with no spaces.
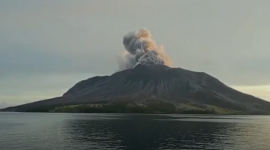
{"x":26,"y":131}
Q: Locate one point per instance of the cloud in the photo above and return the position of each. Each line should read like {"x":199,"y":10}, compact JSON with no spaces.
{"x":27,"y":88}
{"x":259,"y":91}
{"x":48,"y":40}
{"x":4,"y":105}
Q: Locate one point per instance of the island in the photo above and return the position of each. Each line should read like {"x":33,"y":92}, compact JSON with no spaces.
{"x":151,"y":89}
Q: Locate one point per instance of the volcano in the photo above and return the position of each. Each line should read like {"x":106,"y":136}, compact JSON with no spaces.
{"x":168,"y":90}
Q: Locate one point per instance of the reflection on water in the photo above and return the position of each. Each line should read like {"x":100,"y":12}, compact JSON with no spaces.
{"x":137,"y":132}
{"x":134,"y":132}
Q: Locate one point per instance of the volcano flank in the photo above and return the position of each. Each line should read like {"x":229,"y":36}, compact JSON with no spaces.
{"x":151,"y":89}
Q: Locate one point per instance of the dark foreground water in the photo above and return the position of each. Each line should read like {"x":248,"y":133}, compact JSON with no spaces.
{"x":37,"y":131}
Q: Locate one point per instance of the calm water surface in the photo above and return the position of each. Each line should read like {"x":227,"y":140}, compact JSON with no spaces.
{"x":38,"y":131}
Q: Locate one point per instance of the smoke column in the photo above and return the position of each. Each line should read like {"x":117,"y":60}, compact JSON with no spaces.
{"x":142,"y":49}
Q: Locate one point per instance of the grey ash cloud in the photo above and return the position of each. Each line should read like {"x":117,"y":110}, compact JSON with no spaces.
{"x":142,"y":49}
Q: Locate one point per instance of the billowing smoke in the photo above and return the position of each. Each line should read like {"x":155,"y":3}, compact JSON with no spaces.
{"x":142,"y":49}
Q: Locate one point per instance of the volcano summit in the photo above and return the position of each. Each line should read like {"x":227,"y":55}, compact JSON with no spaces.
{"x":147,"y":84}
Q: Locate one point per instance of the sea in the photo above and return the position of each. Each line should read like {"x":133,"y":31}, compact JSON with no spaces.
{"x":70,"y":131}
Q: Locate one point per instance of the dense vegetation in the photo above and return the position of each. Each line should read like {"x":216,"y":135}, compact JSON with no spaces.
{"x":115,"y":108}
{"x":150,"y":108}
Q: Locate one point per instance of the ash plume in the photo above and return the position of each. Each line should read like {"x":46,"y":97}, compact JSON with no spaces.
{"x":142,"y":49}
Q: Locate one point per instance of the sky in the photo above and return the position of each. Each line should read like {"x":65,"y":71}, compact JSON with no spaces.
{"x":46,"y":46}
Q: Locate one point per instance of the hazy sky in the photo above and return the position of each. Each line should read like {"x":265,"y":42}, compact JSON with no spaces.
{"x":46,"y":46}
